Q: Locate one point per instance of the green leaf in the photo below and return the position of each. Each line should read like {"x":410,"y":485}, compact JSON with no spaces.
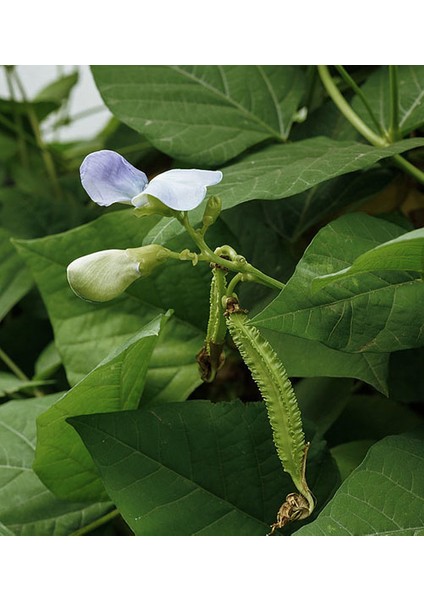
{"x":291,"y":217}
{"x":61,"y":460}
{"x":42,"y":109}
{"x":404,"y":253}
{"x":205,"y":114}
{"x":15,"y":277}
{"x":326,"y":120}
{"x":30,"y":210}
{"x":283,"y":170}
{"x":8,"y":147}
{"x":4,"y":530}
{"x":349,"y":456}
{"x":48,"y":362}
{"x":195,"y":468}
{"x":373,"y":312}
{"x":371,"y":417}
{"x":383,"y":496}
{"x":411,"y":98}
{"x":27,"y":507}
{"x":308,"y":358}
{"x":86,"y":332}
{"x":322,"y":400}
{"x":58,"y":90}
{"x":9,"y":384}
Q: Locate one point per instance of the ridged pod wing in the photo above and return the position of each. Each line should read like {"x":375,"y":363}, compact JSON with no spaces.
{"x":279,"y":397}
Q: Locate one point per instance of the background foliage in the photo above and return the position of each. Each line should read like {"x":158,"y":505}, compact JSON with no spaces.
{"x":107,"y":397}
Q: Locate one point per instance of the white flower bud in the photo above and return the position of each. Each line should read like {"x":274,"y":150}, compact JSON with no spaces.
{"x":102,"y":276}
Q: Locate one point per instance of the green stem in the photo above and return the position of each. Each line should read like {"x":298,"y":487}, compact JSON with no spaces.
{"x":232,"y":285}
{"x":238,"y":266}
{"x":17,"y":371}
{"x":345,"y":108}
{"x":13,"y":127}
{"x":409,"y":168}
{"x":19,"y":128}
{"x":394,"y":133}
{"x":13,"y":366}
{"x":358,"y":91}
{"x":67,"y":120}
{"x":46,"y":156}
{"x":360,"y":126}
{"x":311,"y":77}
{"x":101,"y":521}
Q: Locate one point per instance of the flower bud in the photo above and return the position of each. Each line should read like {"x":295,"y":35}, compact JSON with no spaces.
{"x":212,"y":211}
{"x":104,"y":275}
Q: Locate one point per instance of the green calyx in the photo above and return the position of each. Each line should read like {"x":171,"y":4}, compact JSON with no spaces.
{"x":149,"y":257}
{"x":153,"y":206}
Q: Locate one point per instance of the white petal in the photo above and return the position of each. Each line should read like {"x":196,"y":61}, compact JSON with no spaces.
{"x":180,"y":189}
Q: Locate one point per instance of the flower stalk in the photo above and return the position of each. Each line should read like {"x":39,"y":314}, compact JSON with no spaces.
{"x":236,"y":263}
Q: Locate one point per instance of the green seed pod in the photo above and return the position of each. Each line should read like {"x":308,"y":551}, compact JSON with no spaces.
{"x":210,"y":357}
{"x":283,"y":410}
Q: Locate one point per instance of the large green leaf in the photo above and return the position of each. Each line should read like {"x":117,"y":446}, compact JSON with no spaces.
{"x":61,"y":460}
{"x":5,"y":530}
{"x":411,"y":98}
{"x":203,"y":114}
{"x":291,"y":217}
{"x":196,"y":468}
{"x":322,"y":400}
{"x":348,"y":456}
{"x":283,"y":170}
{"x":373,"y":312}
{"x":86,"y":332}
{"x":405,"y":253}
{"x":383,"y":496}
{"x":15,"y":277}
{"x":308,"y":358}
{"x":27,"y":507}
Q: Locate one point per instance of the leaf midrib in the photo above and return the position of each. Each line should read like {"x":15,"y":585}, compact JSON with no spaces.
{"x":335,"y":302}
{"x":229,"y":100}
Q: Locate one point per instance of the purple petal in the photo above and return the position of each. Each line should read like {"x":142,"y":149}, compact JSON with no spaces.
{"x":180,"y":189}
{"x":107,"y":178}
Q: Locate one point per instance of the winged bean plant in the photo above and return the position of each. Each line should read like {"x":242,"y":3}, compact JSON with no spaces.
{"x":212,"y":311}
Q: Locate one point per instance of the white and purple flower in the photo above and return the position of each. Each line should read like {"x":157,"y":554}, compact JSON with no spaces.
{"x":108,"y":178}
